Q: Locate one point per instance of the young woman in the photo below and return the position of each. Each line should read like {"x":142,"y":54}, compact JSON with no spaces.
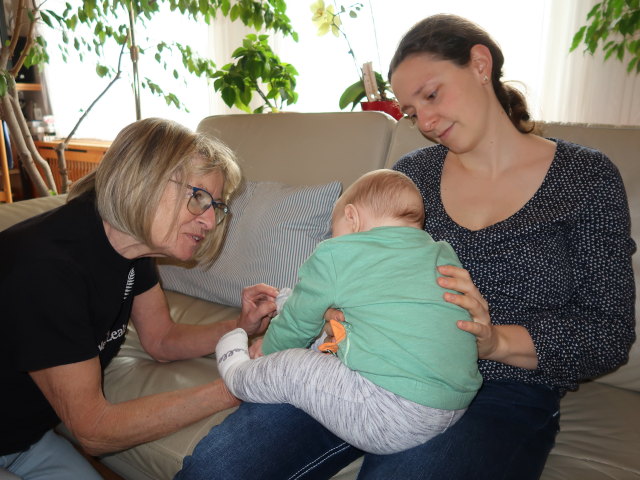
{"x":541,"y":227}
{"x":71,"y":279}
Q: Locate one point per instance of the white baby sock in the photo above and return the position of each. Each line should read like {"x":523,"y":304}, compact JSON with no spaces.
{"x":232,"y":349}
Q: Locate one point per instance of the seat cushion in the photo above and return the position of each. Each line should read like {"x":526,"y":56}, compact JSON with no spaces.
{"x":599,"y":435}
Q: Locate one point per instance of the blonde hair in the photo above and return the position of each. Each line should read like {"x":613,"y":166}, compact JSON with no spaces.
{"x":132,"y":176}
{"x":381,"y":192}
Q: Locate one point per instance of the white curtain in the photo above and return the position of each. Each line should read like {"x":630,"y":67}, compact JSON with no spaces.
{"x":579,"y":87}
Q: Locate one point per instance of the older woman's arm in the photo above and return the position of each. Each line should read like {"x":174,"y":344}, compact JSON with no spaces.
{"x":166,"y":340}
{"x":75,"y":393}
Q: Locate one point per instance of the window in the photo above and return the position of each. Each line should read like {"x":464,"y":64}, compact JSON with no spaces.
{"x":74,"y":85}
{"x":534,"y":35}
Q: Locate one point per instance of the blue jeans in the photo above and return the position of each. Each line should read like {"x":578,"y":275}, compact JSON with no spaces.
{"x":506,"y":433}
{"x":50,"y":458}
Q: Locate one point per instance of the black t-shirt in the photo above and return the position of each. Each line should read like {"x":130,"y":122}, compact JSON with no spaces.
{"x":66,"y":297}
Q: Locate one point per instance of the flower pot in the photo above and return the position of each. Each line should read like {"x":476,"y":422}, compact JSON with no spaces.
{"x":387,"y":106}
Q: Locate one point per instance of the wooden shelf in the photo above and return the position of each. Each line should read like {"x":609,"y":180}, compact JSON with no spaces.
{"x":28,"y":87}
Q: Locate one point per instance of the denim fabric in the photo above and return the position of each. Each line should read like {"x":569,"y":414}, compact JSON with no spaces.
{"x":268,"y":441}
{"x":506,"y":433}
{"x":50,"y":458}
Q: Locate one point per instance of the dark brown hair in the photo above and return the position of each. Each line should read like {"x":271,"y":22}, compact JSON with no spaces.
{"x":449,"y":37}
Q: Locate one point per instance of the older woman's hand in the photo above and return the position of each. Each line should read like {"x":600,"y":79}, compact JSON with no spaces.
{"x":255,"y":349}
{"x":258,"y":308}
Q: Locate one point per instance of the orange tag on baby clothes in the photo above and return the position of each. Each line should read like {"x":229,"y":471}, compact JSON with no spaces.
{"x":339,"y":334}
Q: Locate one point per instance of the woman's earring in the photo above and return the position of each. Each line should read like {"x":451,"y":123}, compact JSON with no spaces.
{"x":485,"y":79}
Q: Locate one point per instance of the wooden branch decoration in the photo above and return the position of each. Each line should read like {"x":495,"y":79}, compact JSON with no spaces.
{"x":62,"y":146}
{"x":20,"y":146}
{"x":7,"y":51}
{"x":30,"y":40}
{"x":36,"y":167}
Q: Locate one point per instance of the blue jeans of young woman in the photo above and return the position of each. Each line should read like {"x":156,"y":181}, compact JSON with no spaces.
{"x":506,"y":433}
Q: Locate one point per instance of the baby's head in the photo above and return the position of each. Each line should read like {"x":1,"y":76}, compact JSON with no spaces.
{"x":379,"y":198}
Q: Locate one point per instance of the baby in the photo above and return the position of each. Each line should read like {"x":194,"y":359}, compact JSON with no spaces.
{"x":399,"y":371}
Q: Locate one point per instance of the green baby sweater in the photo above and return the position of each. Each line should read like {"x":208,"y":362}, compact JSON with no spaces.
{"x":401,"y":333}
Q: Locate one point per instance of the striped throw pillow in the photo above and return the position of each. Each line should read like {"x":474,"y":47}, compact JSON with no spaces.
{"x":273,"y":229}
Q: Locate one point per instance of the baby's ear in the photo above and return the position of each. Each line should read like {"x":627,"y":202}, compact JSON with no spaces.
{"x":353,"y":217}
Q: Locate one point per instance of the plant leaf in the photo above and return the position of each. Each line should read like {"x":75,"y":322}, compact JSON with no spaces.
{"x":577,"y":38}
{"x":352,"y":95}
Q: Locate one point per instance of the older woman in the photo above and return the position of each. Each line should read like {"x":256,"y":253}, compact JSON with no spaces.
{"x":542,"y":228}
{"x":72,"y":278}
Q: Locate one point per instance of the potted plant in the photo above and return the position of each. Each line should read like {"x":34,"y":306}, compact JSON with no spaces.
{"x":371,"y":91}
{"x":256,"y":68}
{"x":382,"y":100}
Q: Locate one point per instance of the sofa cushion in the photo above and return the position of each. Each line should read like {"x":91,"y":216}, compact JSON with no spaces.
{"x":599,"y":430}
{"x":133,"y":374}
{"x":13,"y":213}
{"x":273,"y":229}
{"x":599,"y":435}
{"x":298,"y":148}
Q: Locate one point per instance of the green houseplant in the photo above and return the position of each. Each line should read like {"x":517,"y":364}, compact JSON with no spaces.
{"x":112,"y":22}
{"x":256,"y":68}
{"x":613,"y":26}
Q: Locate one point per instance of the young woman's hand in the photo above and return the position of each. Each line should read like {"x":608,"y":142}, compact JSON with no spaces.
{"x":331,"y":314}
{"x":509,"y":344}
{"x":258,"y":308}
{"x":469,"y":298}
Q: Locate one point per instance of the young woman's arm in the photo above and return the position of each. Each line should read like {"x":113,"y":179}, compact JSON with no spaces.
{"x":509,"y":344}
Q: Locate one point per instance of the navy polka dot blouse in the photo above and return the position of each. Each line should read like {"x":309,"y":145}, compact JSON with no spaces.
{"x":560,"y":266}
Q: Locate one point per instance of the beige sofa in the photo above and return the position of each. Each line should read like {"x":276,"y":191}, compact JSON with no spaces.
{"x":600,"y":423}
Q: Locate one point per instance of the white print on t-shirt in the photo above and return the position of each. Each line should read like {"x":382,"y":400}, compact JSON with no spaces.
{"x":130,"y":279}
{"x":115,"y":334}
{"x":112,"y":335}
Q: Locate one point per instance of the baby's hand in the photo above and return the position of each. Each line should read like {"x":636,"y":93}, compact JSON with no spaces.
{"x":255,"y":350}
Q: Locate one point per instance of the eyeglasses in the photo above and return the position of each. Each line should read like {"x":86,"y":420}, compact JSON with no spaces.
{"x":200,"y":200}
